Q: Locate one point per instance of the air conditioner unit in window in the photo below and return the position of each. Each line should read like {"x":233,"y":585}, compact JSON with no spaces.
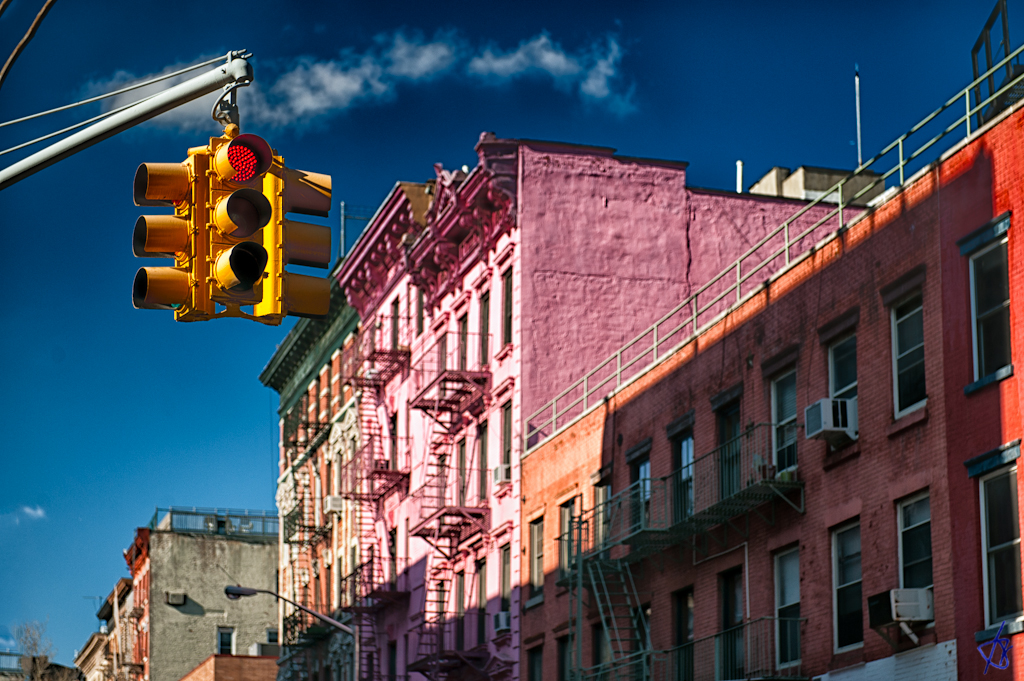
{"x":265,"y":649}
{"x":831,"y":420}
{"x":502,"y":621}
{"x":333,"y":504}
{"x":503,"y":474}
{"x":900,"y":605}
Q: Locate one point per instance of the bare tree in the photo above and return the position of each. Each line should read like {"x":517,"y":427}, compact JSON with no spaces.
{"x":36,"y":649}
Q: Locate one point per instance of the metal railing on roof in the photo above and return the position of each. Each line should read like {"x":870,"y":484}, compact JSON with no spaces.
{"x":224,"y":521}
{"x":777,"y":252}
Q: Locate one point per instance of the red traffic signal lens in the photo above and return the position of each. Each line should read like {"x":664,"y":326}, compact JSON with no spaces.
{"x":243,"y":159}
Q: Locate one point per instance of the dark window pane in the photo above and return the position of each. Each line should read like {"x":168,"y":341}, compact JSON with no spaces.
{"x":789,"y":634}
{"x":917,"y":575}
{"x":849,"y":616}
{"x":1001,"y":515}
{"x":1004,"y":582}
{"x":991,"y":284}
{"x":844,"y":366}
{"x":994,"y":342}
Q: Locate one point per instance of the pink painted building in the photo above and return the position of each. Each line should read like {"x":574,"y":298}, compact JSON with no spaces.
{"x":482,"y":296}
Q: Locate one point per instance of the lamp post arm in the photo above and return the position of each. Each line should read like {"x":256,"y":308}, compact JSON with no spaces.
{"x":329,"y":620}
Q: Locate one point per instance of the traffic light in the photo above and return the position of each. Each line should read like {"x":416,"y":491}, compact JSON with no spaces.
{"x":296,"y":243}
{"x":228,"y":236}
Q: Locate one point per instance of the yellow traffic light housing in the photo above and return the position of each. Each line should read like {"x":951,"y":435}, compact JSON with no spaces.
{"x":229,"y":237}
{"x":296,"y":243}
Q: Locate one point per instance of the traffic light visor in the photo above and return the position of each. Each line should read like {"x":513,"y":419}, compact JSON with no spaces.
{"x":241,"y":266}
{"x":159,"y":288}
{"x":160,"y":184}
{"x":160,"y":236}
{"x":242,"y":212}
{"x":243,"y":158}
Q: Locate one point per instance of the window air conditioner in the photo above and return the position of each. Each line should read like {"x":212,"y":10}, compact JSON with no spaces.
{"x":333,"y":504}
{"x":502,"y":620}
{"x":502,"y":474}
{"x":831,"y":420}
{"x":900,"y":605}
{"x":265,"y":649}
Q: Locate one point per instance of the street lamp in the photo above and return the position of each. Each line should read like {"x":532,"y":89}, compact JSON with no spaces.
{"x":236,"y":592}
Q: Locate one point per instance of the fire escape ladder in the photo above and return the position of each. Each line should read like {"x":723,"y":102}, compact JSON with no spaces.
{"x":432,"y":642}
{"x":614,"y":593}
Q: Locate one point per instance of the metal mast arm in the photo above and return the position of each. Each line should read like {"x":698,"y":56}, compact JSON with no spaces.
{"x":237,"y":71}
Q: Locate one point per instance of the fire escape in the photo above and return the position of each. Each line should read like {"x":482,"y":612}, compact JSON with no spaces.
{"x":443,"y":512}
{"x":304,"y":527}
{"x":377,"y":467}
{"x":706,"y":497}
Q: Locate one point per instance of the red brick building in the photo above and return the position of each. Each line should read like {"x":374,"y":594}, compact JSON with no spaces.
{"x":699,"y":522}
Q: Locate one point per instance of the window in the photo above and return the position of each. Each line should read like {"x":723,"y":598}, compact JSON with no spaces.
{"x":271,"y":635}
{"x":682,"y":656}
{"x":784,"y":416}
{"x":463,"y":481}
{"x":682,"y":462}
{"x":481,"y":602}
{"x":564,"y":658}
{"x":565,"y":515}
{"x":842,"y":369}
{"x":506,"y":433}
{"x":485,"y":328}
{"x":460,"y":610}
{"x":225,"y":640}
{"x":601,"y":512}
{"x":463,"y":342}
{"x":419,"y":312}
{"x":730,"y":640}
{"x":1000,"y":538}
{"x":787,"y":607}
{"x":481,"y":436}
{"x":601,"y":648}
{"x":392,"y":661}
{"x":908,"y":356}
{"x":394,"y":324}
{"x":915,"y":529}
{"x":990,"y":309}
{"x":729,"y":450}
{"x":506,"y":578}
{"x":849,"y":617}
{"x":640,"y":492}
{"x":535,"y":664}
{"x":537,"y":558}
{"x":506,"y":307}
{"x":393,"y":436}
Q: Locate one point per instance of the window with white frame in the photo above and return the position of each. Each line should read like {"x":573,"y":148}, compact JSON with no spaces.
{"x":1000,"y":538}
{"x":787,"y":607}
{"x":225,"y":640}
{"x":990,"y":309}
{"x":915,"y":526}
{"x":848,"y":612}
{"x":908,"y":356}
{"x":537,"y":557}
{"x":842,"y":369}
{"x":784,"y":416}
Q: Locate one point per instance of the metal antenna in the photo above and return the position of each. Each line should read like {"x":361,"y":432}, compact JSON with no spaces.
{"x":856,"y":87}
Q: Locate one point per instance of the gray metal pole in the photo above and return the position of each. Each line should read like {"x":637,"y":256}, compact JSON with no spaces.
{"x":856,"y":87}
{"x":237,"y":70}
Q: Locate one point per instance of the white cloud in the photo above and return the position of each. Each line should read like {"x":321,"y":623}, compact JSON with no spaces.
{"x":308,"y":89}
{"x":538,"y":54}
{"x":34,"y":512}
{"x":415,"y":59}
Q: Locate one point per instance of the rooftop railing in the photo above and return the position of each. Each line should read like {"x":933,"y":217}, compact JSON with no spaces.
{"x":780,"y":250}
{"x":223,"y":521}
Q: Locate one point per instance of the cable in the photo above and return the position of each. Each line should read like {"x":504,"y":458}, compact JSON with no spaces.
{"x":3,"y":5}
{"x":24,"y":41}
{"x":115,"y":93}
{"x":72,"y":127}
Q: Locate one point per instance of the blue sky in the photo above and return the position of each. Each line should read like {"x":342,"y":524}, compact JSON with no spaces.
{"x":108,"y":411}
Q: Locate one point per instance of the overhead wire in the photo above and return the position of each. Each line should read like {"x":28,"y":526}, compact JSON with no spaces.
{"x":114,"y":93}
